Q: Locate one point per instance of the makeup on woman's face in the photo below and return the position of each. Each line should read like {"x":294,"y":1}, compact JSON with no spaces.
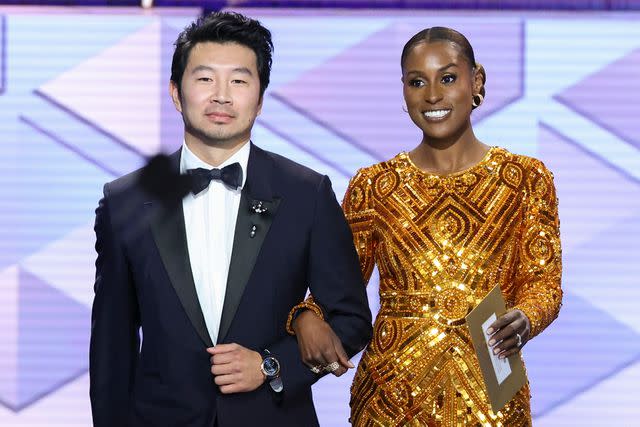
{"x":438,"y":89}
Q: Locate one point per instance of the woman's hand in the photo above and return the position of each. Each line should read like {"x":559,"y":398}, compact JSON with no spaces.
{"x":320,"y":347}
{"x":505,"y":331}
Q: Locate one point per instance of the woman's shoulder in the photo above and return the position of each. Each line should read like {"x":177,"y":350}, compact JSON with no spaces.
{"x":530,"y":165}
{"x":534,"y":176}
{"x":371,"y":172}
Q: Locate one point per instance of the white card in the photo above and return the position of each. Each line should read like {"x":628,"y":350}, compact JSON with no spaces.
{"x":501,"y":367}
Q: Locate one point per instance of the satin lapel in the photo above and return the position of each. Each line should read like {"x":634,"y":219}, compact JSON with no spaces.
{"x":170,"y":235}
{"x":248,"y":241}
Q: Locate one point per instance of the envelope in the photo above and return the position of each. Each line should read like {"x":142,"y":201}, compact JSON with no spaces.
{"x":503,"y":378}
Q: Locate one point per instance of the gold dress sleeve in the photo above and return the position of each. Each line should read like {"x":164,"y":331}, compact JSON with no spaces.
{"x":358,"y":209}
{"x":539,"y":259}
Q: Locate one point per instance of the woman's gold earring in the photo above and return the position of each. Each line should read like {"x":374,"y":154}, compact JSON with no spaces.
{"x":477,"y":103}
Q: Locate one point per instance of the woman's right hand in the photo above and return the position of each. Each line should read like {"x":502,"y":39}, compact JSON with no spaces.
{"x":319,"y":345}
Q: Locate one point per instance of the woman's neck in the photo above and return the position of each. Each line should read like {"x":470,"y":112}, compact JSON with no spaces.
{"x":442,"y":157}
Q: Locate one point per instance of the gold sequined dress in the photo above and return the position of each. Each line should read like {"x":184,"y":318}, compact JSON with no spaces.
{"x":440,"y":244}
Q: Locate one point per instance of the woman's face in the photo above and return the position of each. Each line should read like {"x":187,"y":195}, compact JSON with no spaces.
{"x":438,"y":88}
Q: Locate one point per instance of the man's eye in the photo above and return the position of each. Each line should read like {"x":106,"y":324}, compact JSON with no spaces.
{"x":204,"y":79}
{"x":238,"y":81}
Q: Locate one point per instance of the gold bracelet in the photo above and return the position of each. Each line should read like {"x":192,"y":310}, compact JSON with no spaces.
{"x":307,"y":304}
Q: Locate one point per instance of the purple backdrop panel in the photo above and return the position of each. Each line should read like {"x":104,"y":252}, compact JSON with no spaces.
{"x":606,"y":105}
{"x":52,"y":345}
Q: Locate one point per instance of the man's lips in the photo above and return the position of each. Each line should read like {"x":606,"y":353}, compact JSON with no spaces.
{"x":218,"y":116}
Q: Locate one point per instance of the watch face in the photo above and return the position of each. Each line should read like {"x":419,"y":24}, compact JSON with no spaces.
{"x":271,"y":366}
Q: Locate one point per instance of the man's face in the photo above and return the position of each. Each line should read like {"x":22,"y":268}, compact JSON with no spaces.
{"x":220,"y":96}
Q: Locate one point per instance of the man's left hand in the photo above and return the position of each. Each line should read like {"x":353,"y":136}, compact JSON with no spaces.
{"x":235,"y":368}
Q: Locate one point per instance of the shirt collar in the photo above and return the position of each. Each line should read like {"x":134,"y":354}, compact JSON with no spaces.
{"x":188,"y":160}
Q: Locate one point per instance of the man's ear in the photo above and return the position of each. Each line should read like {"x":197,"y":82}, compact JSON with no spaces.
{"x":260,"y":105}
{"x":175,"y":95}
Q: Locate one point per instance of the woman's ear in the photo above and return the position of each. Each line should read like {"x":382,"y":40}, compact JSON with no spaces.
{"x":479,"y":78}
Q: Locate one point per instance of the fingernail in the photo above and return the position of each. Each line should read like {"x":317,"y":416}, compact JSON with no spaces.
{"x":490,"y":331}
{"x":492,"y":342}
{"x":496,"y":350}
{"x":501,"y":356}
{"x":351,"y":365}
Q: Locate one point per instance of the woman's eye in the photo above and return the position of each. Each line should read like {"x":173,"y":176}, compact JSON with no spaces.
{"x":416,"y":83}
{"x":448,"y":79}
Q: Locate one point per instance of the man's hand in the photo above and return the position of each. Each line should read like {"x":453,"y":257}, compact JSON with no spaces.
{"x":505,"y":331}
{"x":319,"y":345}
{"x":235,"y":368}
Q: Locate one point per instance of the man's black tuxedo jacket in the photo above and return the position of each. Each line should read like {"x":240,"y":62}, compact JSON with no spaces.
{"x":144,"y":280}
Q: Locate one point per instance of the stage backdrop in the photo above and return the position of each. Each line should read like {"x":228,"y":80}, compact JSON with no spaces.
{"x":83,"y":99}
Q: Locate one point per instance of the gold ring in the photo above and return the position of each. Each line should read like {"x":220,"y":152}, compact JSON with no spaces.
{"x":333,"y":366}
{"x":316,"y":369}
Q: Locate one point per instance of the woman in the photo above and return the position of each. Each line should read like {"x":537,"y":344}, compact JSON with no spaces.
{"x":444,"y":223}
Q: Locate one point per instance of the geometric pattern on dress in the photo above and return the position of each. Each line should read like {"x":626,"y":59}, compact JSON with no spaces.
{"x":440,"y":244}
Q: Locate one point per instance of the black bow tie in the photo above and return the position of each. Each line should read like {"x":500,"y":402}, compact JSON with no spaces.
{"x":231,"y":175}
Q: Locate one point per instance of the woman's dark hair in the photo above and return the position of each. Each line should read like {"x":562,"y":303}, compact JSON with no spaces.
{"x":436,"y":34}
{"x":224,"y":27}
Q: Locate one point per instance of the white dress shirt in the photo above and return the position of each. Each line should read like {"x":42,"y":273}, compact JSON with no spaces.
{"x":210,"y":221}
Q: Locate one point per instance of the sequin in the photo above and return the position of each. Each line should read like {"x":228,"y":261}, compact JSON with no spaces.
{"x":440,"y":244}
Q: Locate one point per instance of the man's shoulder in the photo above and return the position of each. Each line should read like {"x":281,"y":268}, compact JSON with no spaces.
{"x":125,"y":182}
{"x":124,"y":186}
{"x":130,"y":183}
{"x":292,"y":171}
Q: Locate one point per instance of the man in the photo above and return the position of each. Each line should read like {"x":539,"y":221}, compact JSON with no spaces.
{"x":223,"y":265}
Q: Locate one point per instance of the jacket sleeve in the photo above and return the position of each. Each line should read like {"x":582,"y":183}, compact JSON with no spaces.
{"x":114,"y":326}
{"x":334,"y":277}
{"x":359,"y":211}
{"x":335,"y":281}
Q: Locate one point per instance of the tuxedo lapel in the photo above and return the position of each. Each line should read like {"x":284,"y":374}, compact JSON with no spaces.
{"x":258,"y":207}
{"x":170,"y":235}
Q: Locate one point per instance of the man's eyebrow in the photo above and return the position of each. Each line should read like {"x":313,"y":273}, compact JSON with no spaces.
{"x":201,"y":68}
{"x":242,"y":70}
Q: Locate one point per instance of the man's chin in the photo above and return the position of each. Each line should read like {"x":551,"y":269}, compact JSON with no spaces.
{"x":218,"y":139}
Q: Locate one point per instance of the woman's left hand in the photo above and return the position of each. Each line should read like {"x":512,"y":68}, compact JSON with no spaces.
{"x":505,"y":331}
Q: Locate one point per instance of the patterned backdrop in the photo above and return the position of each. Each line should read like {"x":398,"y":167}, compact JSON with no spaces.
{"x":83,"y":99}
